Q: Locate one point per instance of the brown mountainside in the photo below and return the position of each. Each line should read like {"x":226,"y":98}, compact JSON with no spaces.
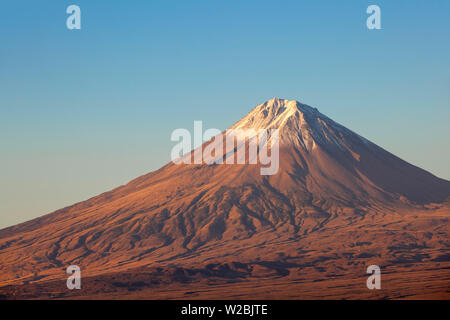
{"x":337,"y":204}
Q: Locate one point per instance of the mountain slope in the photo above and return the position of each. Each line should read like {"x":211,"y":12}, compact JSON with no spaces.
{"x":331,"y":183}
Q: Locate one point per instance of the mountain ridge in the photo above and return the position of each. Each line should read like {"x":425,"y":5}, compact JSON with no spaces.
{"x":331,"y":182}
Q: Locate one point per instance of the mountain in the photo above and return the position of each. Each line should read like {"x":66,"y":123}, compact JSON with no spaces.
{"x":337,"y":204}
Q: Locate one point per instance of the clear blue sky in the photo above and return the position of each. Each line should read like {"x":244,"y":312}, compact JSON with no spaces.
{"x":83,"y":111}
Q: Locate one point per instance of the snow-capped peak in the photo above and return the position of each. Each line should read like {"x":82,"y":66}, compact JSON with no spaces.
{"x":298,"y":123}
{"x":273,"y":114}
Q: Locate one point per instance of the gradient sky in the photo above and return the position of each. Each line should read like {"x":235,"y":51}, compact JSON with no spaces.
{"x":83,"y":111}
